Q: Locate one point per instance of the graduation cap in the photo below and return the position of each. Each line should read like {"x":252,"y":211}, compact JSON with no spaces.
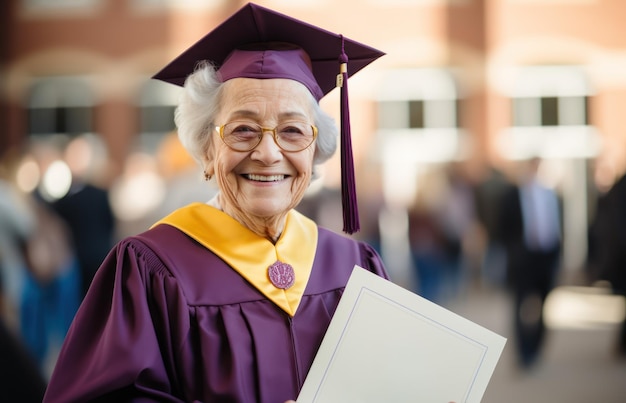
{"x":257,"y":42}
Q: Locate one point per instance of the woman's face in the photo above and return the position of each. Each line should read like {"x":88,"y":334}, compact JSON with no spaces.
{"x":266,"y":181}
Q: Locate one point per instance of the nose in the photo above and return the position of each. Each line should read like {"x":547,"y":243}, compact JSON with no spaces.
{"x":267,"y":151}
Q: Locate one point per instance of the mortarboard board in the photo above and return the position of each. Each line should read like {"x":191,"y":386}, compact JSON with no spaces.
{"x":252,"y":43}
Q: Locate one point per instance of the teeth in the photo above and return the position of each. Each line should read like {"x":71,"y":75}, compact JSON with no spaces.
{"x":263,"y":178}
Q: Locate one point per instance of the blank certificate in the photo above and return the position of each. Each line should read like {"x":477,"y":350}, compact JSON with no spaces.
{"x":386,"y":343}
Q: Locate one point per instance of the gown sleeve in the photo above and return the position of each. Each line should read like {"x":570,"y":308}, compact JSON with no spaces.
{"x":372,"y":260}
{"x":112,"y":351}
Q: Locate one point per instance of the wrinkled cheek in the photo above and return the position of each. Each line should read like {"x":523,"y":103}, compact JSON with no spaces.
{"x":227,"y":184}
{"x":299,"y":187}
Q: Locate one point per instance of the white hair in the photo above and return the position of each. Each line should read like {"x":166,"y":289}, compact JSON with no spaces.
{"x":200,"y":104}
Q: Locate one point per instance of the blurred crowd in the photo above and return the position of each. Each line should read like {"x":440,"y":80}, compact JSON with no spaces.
{"x":59,"y":219}
{"x":56,"y":227}
{"x":503,"y":231}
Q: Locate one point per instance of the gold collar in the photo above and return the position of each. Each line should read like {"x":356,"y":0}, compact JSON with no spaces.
{"x":249,"y":254}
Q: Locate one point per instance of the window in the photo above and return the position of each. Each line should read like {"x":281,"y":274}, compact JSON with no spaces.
{"x":418,"y":115}
{"x":60,"y":105}
{"x":418,"y":99}
{"x":418,"y":126}
{"x":62,"y":8}
{"x":550,"y":114}
{"x":551,"y":2}
{"x":157,"y":102}
{"x":550,"y":111}
{"x":178,"y":4}
{"x":391,"y":3}
{"x":157,"y":118}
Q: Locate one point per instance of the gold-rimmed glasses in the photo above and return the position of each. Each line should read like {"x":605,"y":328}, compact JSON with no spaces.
{"x":291,"y":136}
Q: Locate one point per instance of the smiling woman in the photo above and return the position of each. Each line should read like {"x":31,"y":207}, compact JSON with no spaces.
{"x":229,"y":299}
{"x":261,"y":206}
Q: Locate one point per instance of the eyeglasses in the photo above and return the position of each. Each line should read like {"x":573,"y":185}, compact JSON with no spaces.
{"x":289,"y":136}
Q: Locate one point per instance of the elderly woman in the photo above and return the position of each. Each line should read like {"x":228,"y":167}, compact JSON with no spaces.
{"x":227,"y":300}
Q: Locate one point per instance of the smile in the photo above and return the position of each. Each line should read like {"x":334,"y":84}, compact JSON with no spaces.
{"x":263,"y":178}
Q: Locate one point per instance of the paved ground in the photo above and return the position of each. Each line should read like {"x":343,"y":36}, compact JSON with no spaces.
{"x":577,"y":365}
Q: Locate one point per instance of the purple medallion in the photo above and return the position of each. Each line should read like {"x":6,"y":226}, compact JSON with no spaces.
{"x":281,"y":275}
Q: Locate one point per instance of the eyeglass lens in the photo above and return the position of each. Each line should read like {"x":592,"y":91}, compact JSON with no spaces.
{"x":290,"y":136}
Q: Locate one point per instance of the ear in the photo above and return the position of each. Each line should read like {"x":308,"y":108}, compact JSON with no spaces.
{"x":208,"y":160}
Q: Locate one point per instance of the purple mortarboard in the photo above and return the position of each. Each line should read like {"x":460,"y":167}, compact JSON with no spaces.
{"x":257,"y":42}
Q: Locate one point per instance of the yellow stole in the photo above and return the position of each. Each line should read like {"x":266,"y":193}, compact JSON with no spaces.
{"x":249,"y":254}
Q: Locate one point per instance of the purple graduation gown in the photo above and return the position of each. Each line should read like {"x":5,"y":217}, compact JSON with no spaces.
{"x":166,"y":320}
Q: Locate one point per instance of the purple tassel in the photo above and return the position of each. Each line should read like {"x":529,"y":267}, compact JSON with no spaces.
{"x":348,"y":184}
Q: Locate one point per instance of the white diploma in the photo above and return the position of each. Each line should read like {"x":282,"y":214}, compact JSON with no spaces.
{"x":387,"y":344}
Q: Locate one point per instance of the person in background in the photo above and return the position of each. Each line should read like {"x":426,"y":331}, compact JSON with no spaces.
{"x":489,"y":193}
{"x":228,"y":300}
{"x":426,"y":238}
{"x":37,"y":267}
{"x":17,"y":222}
{"x":21,"y":379}
{"x":86,"y":209}
{"x":50,"y":292}
{"x":530,"y":227}
{"x":610,"y":232}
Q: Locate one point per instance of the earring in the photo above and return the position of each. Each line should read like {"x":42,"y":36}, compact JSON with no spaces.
{"x":207,"y":176}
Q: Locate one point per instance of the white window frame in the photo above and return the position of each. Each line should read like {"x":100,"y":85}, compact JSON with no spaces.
{"x":155,"y":93}
{"x":195,"y":5}
{"x":560,"y":141}
{"x":60,"y":8}
{"x":434,"y":142}
{"x":404,"y":152}
{"x":61,"y":92}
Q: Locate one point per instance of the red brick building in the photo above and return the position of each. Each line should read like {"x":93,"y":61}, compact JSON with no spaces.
{"x":484,"y":82}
